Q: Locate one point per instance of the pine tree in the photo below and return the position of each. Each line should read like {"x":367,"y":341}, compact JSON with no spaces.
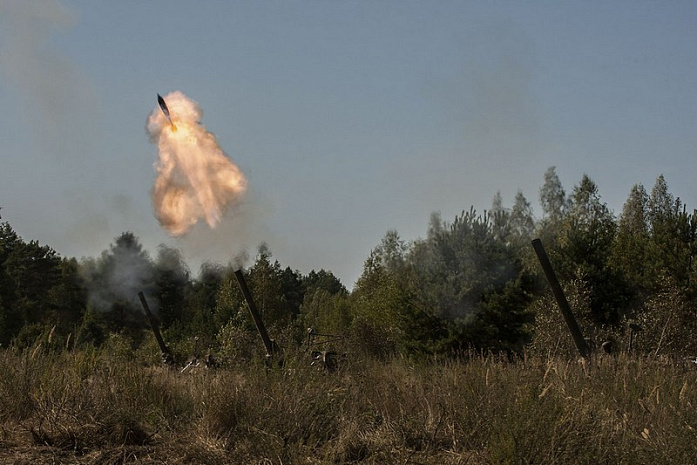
{"x":672,"y":235}
{"x":470,"y":289}
{"x":586,"y":241}
{"x":171,"y":279}
{"x":555,"y":206}
{"x":552,"y":197}
{"x":630,"y":249}
{"x":521,"y":219}
{"x":114,"y":280}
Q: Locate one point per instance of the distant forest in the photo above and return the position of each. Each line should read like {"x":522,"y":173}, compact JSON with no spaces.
{"x":472,"y":283}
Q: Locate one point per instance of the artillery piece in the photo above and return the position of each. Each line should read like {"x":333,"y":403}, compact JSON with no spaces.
{"x":326,"y":358}
{"x":269,"y":344}
{"x":167,"y":357}
{"x":207,"y":360}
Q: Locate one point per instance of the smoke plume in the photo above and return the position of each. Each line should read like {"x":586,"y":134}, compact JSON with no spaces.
{"x":55,"y":96}
{"x":118,"y":275}
{"x":196,"y":180}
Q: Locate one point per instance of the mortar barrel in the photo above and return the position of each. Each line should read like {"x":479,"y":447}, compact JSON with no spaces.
{"x":153,"y":324}
{"x":255,"y":312}
{"x":561,"y":298}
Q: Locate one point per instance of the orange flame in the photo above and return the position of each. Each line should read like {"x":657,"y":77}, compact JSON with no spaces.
{"x":195,"y":179}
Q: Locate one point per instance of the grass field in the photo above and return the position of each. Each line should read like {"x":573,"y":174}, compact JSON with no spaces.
{"x":92,"y":407}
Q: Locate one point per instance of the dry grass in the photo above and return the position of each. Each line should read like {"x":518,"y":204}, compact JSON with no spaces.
{"x":89,"y":407}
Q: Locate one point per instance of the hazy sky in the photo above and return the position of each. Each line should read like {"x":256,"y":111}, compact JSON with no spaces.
{"x":348,"y":118}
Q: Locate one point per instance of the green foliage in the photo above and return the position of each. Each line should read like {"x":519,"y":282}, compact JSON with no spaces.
{"x":37,"y":287}
{"x":325,"y":306}
{"x":522,"y":220}
{"x":413,"y":323}
{"x":171,"y":280}
{"x":586,"y":243}
{"x":114,"y":281}
{"x":200,"y":314}
{"x":278,"y":293}
{"x":554,"y":205}
{"x":92,"y":331}
{"x":230,"y":305}
{"x":515,"y":226}
{"x":238,"y":345}
{"x":461,"y":287}
{"x":324,"y":280}
{"x":325,"y":312}
{"x":378,"y":298}
{"x":471,"y":282}
{"x":673,"y":233}
{"x":631,"y":247}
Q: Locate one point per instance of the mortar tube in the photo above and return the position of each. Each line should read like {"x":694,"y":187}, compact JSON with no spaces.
{"x":258,"y":322}
{"x":561,"y":299}
{"x":163,"y":348}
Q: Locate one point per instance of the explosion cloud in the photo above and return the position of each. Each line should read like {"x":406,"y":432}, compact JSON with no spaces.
{"x":195,"y":179}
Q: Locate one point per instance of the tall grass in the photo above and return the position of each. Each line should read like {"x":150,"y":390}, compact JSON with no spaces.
{"x":92,"y":407}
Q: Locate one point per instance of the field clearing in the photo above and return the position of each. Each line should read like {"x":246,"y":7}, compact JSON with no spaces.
{"x":89,"y":407}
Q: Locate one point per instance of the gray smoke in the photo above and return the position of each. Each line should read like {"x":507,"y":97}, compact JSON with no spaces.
{"x":56,"y":97}
{"x":118,"y":275}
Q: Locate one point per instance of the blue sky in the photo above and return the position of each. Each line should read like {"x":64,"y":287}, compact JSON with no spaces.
{"x":348,"y":118}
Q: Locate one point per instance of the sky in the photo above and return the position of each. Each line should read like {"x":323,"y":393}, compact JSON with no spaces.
{"x":348,"y":118}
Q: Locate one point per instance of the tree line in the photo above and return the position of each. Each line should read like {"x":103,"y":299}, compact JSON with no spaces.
{"x":472,"y":282}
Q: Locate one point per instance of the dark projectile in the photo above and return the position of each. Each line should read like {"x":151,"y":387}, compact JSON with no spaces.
{"x":163,"y":105}
{"x":165,"y":110}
